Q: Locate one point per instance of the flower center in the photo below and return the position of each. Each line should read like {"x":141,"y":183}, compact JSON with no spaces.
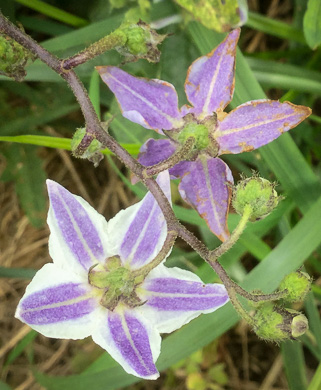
{"x":115,"y":282}
{"x":202,"y":132}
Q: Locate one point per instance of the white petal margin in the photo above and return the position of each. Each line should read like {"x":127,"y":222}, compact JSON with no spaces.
{"x":175,"y":296}
{"x":58,"y":304}
{"x":131,"y":340}
{"x":78,"y":237}
{"x":138,"y":233}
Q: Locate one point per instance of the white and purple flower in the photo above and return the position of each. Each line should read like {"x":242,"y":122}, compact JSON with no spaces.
{"x":89,"y":289}
{"x":205,"y":179}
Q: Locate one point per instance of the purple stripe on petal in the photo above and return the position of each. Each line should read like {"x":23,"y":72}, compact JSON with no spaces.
{"x":205,"y":186}
{"x":172,"y":294}
{"x":209,"y":84}
{"x":196,"y":303}
{"x":62,"y":313}
{"x":131,"y":338}
{"x":150,"y":103}
{"x":178,"y":286}
{"x":257,"y":123}
{"x":144,"y":234}
{"x":75,"y":225}
{"x":53,"y":295}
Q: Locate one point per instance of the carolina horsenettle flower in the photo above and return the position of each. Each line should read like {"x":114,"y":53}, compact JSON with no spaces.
{"x":205,"y":179}
{"x":91,"y":287}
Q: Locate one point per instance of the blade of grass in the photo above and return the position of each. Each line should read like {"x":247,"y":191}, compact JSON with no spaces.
{"x":20,"y":347}
{"x":59,"y":143}
{"x":315,"y":384}
{"x":94,"y":91}
{"x":294,"y":365}
{"x":54,"y":12}
{"x":274,"y":27}
{"x":21,"y":273}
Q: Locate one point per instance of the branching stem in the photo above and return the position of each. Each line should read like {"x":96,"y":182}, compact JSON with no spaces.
{"x":95,"y":131}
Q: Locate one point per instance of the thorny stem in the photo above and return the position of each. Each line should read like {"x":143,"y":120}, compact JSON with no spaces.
{"x":181,"y":154}
{"x":96,"y":131}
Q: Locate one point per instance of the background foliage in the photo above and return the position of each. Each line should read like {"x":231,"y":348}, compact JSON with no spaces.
{"x":281,"y":56}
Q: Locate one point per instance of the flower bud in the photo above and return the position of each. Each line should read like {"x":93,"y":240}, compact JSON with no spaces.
{"x":14,"y":58}
{"x":297,"y":284}
{"x":84,"y":146}
{"x":141,"y":42}
{"x":277,"y":324}
{"x":258,"y":193}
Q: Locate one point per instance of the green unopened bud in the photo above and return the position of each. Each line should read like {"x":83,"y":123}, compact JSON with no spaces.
{"x":277,"y":324}
{"x":83,"y":146}
{"x":141,"y":42}
{"x":297,"y":284}
{"x":14,"y":58}
{"x":257,"y":193}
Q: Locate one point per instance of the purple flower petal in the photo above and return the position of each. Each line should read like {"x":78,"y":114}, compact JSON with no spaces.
{"x":131,"y":341}
{"x":150,"y":103}
{"x":205,"y":186}
{"x":209,"y":84}
{"x":78,"y":233}
{"x":58,"y":304}
{"x":257,"y":123}
{"x":139,"y":232}
{"x":154,"y":151}
{"x":175,"y":296}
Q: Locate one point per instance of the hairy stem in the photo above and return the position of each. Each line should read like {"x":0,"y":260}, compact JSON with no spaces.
{"x":96,"y":131}
{"x":181,"y":154}
{"x":167,"y":246}
{"x":226,"y":245}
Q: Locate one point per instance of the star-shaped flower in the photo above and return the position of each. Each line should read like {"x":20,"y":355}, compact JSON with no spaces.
{"x":205,"y":179}
{"x":91,"y":287}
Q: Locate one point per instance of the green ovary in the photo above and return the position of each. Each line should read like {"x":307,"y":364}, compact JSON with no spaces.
{"x":198,"y":132}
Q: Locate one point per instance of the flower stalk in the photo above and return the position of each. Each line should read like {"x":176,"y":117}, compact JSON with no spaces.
{"x":95,"y":131}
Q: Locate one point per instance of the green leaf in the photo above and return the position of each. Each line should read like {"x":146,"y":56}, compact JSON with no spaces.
{"x":24,"y":167}
{"x":60,"y":143}
{"x":23,"y":273}
{"x":294,"y":365}
{"x":20,"y":347}
{"x":312,"y":23}
{"x":54,"y":12}
{"x":315,"y":384}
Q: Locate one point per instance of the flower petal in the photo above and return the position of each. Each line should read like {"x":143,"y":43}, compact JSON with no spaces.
{"x":58,"y":304}
{"x":131,"y":341}
{"x":257,"y":123}
{"x":155,"y":150}
{"x":78,"y":237}
{"x":150,"y":103}
{"x":205,"y":185}
{"x":209,"y":84}
{"x":139,"y":232}
{"x":175,"y":296}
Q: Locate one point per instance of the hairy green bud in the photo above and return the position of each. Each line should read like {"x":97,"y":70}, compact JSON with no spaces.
{"x":14,"y":58}
{"x":141,"y":42}
{"x":297,"y":284}
{"x":83,"y":146}
{"x":257,"y":193}
{"x":274,"y":323}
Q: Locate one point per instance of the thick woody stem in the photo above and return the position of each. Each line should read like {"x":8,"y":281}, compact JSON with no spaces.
{"x":95,"y":131}
{"x":181,"y":154}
